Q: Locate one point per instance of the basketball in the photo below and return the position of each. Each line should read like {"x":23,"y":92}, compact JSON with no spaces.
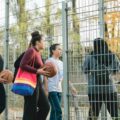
{"x":51,"y":68}
{"x":7,"y":75}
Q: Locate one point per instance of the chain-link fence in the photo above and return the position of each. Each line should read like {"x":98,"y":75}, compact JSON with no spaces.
{"x":88,"y":20}
{"x":74,"y":24}
{"x":26,"y":16}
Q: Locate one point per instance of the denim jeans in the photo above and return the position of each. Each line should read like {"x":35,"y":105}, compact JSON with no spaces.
{"x":55,"y":101}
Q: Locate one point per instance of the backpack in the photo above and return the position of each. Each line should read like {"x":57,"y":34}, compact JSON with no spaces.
{"x":101,"y":75}
{"x":17,"y":64}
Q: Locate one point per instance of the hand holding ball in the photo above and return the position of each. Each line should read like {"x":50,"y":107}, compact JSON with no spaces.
{"x":51,"y":68}
{"x":7,"y":75}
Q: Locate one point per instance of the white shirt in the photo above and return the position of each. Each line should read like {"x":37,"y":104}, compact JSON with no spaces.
{"x":55,"y":82}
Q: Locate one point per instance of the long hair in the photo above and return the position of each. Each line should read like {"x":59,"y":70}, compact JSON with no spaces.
{"x":101,"y":52}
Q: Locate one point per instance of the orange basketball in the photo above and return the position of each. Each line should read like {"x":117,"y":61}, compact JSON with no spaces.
{"x":7,"y":75}
{"x":51,"y":68}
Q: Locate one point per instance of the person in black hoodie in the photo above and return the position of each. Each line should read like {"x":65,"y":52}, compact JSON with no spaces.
{"x":100,"y":86}
{"x":2,"y":90}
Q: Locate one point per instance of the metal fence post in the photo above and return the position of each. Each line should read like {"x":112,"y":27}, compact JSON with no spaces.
{"x":101,"y":18}
{"x":6,"y":49}
{"x":65,"y":60}
{"x":102,"y":34}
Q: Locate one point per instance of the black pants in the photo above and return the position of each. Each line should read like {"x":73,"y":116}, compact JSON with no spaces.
{"x":2,"y":98}
{"x":36,"y":107}
{"x":96,"y":101}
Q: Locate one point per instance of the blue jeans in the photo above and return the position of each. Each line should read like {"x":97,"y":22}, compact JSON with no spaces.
{"x":55,"y":101}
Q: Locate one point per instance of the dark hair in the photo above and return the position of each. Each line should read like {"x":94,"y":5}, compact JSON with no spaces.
{"x":100,"y":46}
{"x":36,"y":36}
{"x":53,"y":47}
{"x":102,"y":53}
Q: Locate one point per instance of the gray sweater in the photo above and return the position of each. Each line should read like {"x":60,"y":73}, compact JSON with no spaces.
{"x":89,"y":65}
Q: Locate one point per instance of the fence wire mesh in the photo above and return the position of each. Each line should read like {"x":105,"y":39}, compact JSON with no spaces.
{"x":84,"y":24}
{"x":26,"y":16}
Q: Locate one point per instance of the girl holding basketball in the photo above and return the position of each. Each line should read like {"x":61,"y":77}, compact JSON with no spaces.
{"x":6,"y":77}
{"x":36,"y":107}
{"x":55,"y":83}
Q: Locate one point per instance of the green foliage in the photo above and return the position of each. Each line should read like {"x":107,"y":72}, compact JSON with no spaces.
{"x":75,"y":31}
{"x":48,"y":27}
{"x":58,"y":14}
{"x":1,"y":41}
{"x":75,"y":47}
{"x":1,"y":34}
{"x":74,"y":36}
{"x":22,"y":25}
{"x":75,"y":19}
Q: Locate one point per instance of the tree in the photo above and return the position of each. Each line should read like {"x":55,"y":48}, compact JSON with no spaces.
{"x":75,"y":48}
{"x":75,"y":33}
{"x":47,"y":27}
{"x":112,"y":31}
{"x":76,"y":25}
{"x":22,"y":23}
{"x":20,"y":29}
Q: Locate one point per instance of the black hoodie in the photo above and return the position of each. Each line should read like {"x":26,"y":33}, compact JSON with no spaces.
{"x":101,"y":52}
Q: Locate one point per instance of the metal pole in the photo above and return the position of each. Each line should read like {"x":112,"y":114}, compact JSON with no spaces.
{"x":102,"y":35}
{"x":6,"y":48}
{"x":101,"y":18}
{"x":65,"y":60}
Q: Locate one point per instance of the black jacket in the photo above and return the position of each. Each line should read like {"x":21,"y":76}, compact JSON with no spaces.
{"x":2,"y":90}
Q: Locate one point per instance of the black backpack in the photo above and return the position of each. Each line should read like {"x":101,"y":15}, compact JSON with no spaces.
{"x":17,"y":64}
{"x":101,"y":75}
